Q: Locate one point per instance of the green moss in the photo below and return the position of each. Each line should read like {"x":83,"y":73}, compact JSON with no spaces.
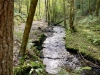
{"x":22,"y":70}
{"x":30,"y":68}
{"x":85,"y":40}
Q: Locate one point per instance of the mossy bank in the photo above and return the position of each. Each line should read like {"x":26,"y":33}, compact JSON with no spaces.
{"x":87,"y":38}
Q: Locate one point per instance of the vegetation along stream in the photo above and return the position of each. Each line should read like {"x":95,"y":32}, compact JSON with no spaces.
{"x":49,"y":37}
{"x":57,"y":58}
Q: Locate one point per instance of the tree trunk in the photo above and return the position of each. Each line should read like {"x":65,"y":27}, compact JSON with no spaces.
{"x":20,"y":6}
{"x":82,"y":6}
{"x":48,"y":5}
{"x":6,"y":37}
{"x":28,"y":26}
{"x":53,"y":11}
{"x":50,"y":11}
{"x":64,"y":8}
{"x":46,"y":8}
{"x":71,"y":21}
{"x":89,"y":7}
{"x":39,"y":7}
{"x":97,"y":7}
{"x":27,"y":4}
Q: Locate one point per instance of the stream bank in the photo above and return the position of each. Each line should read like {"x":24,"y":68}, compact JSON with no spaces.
{"x":55,"y":54}
{"x":51,"y":46}
{"x":56,"y":57}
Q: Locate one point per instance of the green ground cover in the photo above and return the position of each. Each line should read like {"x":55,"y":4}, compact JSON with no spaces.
{"x":87,"y":38}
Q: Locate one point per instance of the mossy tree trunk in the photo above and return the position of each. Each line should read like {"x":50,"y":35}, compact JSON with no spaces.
{"x":97,"y":7}
{"x":48,"y":11}
{"x":29,"y":21}
{"x":20,"y":6}
{"x":89,"y":7}
{"x":82,"y":6}
{"x":6,"y":37}
{"x":27,"y":4}
{"x":53,"y":19}
{"x":39,"y":7}
{"x":64,"y":10}
{"x":46,"y":8}
{"x":71,"y":21}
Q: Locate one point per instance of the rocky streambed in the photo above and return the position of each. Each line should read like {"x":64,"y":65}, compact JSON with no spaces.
{"x":55,"y":55}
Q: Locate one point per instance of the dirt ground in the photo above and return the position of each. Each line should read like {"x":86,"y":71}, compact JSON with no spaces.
{"x":38,"y":27}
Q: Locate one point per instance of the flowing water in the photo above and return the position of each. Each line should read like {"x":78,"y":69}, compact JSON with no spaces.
{"x":55,"y":55}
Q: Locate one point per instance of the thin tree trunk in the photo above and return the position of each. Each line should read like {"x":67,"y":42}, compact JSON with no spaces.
{"x":54,"y":6}
{"x":64,"y":8}
{"x":82,"y":6}
{"x":97,"y":7}
{"x":52,"y":18}
{"x":28,"y":26}
{"x":46,"y":8}
{"x":20,"y":6}
{"x":89,"y":7}
{"x":27,"y":4}
{"x":48,"y":11}
{"x":6,"y":37}
{"x":71,"y":21}
{"x":39,"y":7}
{"x":55,"y":16}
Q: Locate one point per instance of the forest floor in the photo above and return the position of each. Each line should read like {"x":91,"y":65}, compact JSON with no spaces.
{"x":36,"y":31}
{"x":87,"y":38}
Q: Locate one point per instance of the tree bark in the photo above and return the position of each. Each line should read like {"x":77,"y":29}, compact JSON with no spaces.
{"x":28,"y":26}
{"x":20,"y":6}
{"x":27,"y":4}
{"x":64,"y":8}
{"x":89,"y":7}
{"x":97,"y":7}
{"x":6,"y":37}
{"x":71,"y":21}
{"x":48,"y":11}
{"x":46,"y":8}
{"x":39,"y":7}
{"x":82,"y":6}
{"x":53,"y":19}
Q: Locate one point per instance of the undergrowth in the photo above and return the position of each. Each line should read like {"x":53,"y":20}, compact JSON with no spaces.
{"x":87,"y":38}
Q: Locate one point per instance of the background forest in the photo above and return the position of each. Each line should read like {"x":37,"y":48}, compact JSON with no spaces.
{"x":81,"y":21}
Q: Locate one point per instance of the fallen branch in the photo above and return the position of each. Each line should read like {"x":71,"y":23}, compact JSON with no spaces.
{"x":93,"y":65}
{"x":59,"y":22}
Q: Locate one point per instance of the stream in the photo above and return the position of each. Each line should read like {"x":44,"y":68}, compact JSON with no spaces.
{"x":56,"y":57}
